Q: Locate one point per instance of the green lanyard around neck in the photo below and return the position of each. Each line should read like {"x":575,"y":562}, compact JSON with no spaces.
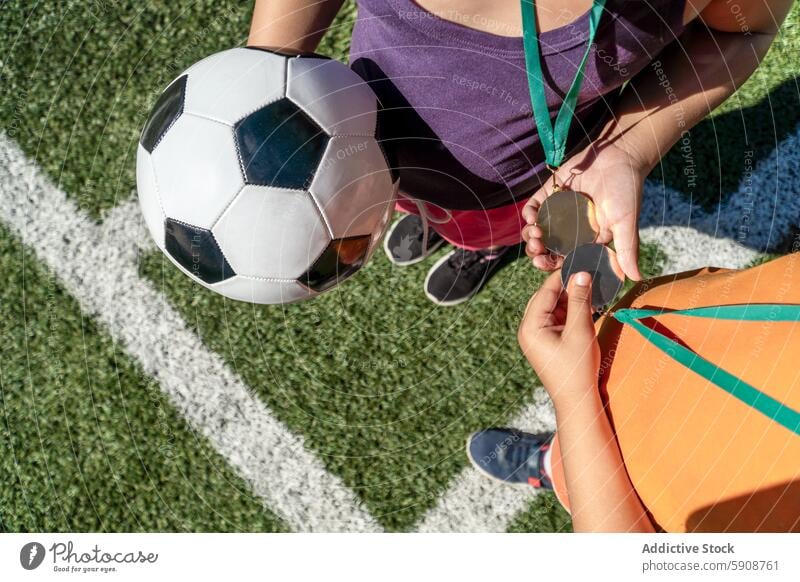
{"x":773,"y":409}
{"x":554,"y":139}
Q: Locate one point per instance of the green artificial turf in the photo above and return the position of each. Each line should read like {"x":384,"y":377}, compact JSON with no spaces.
{"x":78,"y":79}
{"x":544,"y":514}
{"x":708,"y":165}
{"x":87,"y":443}
{"x":384,"y":386}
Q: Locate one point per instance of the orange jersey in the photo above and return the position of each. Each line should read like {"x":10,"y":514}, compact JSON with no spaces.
{"x":702,"y":458}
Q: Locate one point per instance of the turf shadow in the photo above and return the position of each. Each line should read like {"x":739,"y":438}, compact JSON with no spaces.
{"x":709,"y":161}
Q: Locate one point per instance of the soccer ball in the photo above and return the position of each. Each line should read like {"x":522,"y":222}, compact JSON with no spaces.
{"x":260,"y":176}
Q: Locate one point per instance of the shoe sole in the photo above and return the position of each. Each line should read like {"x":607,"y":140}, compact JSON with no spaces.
{"x":451,"y":302}
{"x":430,"y":250}
{"x":485,"y":473}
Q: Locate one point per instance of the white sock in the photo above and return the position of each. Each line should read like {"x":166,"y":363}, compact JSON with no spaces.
{"x":548,"y":465}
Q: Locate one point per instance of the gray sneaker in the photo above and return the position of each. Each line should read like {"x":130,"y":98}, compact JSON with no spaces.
{"x":403,"y":242}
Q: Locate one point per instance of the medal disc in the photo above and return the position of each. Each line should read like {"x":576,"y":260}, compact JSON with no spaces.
{"x":601,"y":263}
{"x":567,"y":221}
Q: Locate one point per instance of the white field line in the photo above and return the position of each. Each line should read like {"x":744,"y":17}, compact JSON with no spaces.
{"x":759,"y":215}
{"x":97,"y":265}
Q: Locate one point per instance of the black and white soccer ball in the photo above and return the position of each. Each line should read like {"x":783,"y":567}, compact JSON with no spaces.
{"x":260,"y":176}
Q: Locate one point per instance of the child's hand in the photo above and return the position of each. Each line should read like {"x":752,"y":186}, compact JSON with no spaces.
{"x":557,"y":336}
{"x":613,"y":178}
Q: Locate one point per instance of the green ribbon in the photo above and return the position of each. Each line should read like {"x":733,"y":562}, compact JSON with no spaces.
{"x":554,"y":139}
{"x":749,"y":395}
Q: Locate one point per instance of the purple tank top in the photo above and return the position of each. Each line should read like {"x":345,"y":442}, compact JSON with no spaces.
{"x":456,"y":118}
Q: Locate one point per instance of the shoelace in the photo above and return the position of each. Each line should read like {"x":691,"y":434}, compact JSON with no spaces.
{"x":461,"y":259}
{"x":418,"y":230}
{"x":426,"y":218}
{"x":464,"y":259}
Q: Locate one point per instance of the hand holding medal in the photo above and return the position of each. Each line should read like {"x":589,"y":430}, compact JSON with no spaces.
{"x":566,"y":218}
{"x":569,"y":229}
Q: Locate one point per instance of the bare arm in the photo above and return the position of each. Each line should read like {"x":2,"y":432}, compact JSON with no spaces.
{"x":601,"y":495}
{"x":718,"y":52}
{"x":720,"y":49}
{"x":558,"y":338}
{"x":690,"y":80}
{"x":291,"y":25}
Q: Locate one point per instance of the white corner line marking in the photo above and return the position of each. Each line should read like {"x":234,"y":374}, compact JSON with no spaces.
{"x":97,"y":265}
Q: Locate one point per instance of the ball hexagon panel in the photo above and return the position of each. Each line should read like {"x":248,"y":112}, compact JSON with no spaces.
{"x":166,"y":111}
{"x":227,"y":86}
{"x":196,"y":250}
{"x":271,"y":233}
{"x":197,"y":170}
{"x":353,"y":185}
{"x":280,"y":146}
{"x":260,"y":291}
{"x":340,"y":260}
{"x":336,"y":97}
{"x":148,"y":196}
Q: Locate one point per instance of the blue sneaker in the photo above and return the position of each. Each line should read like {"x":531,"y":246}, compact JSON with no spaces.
{"x":510,"y":456}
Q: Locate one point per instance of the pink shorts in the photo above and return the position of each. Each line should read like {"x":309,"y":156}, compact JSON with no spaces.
{"x":473,"y":229}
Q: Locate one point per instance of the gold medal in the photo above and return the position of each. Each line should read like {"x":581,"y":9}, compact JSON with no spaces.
{"x":567,"y":218}
{"x":567,"y":221}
